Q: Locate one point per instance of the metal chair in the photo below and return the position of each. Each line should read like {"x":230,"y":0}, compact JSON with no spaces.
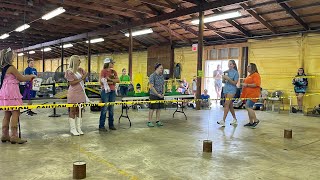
{"x":276,"y":98}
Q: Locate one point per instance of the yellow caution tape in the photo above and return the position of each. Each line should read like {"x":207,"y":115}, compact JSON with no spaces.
{"x":87,"y":83}
{"x":50,"y":106}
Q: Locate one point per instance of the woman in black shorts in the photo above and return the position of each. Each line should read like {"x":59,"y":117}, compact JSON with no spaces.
{"x":156,"y":85}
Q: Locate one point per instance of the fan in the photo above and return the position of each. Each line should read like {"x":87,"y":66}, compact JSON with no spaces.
{"x":59,"y":75}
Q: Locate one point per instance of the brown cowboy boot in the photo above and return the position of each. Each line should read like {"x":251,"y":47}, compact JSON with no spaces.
{"x":5,"y":133}
{"x":14,"y":136}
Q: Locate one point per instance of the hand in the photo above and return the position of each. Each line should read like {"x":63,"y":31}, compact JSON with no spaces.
{"x":226,"y":77}
{"x":160,"y":95}
{"x":32,"y":77}
{"x":244,"y":85}
{"x":84,"y":76}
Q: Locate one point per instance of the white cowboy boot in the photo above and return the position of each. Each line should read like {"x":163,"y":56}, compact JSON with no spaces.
{"x":78,"y":125}
{"x":73,"y":130}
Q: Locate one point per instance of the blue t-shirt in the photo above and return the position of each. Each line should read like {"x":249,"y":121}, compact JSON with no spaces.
{"x":30,"y":71}
{"x":228,"y":87}
{"x":205,"y":97}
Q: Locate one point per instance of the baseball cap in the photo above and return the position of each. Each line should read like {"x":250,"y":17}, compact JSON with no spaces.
{"x":108,"y":60}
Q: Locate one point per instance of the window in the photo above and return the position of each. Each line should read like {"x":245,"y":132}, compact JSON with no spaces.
{"x":213,"y":54}
{"x":234,"y":53}
{"x":223,"y":53}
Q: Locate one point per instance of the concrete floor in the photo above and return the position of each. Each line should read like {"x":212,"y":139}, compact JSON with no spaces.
{"x":173,"y":151}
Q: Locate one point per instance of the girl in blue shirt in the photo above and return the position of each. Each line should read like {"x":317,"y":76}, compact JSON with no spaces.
{"x":230,"y":78}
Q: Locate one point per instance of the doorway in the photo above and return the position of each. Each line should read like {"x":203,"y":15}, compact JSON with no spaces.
{"x":210,"y":66}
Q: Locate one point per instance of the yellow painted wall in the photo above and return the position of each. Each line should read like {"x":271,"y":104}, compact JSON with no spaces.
{"x":278,"y":60}
{"x":312,"y":65}
{"x":188,"y":59}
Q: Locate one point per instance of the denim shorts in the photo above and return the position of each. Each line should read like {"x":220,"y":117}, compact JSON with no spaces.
{"x":249,"y":104}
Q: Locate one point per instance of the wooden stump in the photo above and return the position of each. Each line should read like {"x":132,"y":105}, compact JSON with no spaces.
{"x":207,"y":146}
{"x":79,"y":170}
{"x":288,"y":133}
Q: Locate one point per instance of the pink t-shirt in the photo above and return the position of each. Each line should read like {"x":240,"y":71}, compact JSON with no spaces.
{"x":111,"y":73}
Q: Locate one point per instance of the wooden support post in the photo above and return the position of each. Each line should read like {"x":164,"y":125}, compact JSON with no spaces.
{"x":200,"y":53}
{"x":62,"y":57}
{"x":130,"y":53}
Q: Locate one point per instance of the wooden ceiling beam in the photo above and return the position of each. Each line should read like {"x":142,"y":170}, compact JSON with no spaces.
{"x":173,"y":5}
{"x":293,"y":14}
{"x":163,"y":17}
{"x":16,"y":7}
{"x":258,"y":18}
{"x":125,"y":6}
{"x":177,"y":35}
{"x":185,"y":27}
{"x":156,"y":3}
{"x":94,"y":7}
{"x":235,"y":24}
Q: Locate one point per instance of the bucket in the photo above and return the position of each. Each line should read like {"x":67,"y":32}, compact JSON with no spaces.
{"x":36,"y":83}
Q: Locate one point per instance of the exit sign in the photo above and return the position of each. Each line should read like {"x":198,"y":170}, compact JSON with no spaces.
{"x":194,"y":47}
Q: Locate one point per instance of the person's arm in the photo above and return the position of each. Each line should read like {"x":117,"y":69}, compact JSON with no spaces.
{"x":71,"y":79}
{"x":20,"y":77}
{"x":235,"y":81}
{"x":164,"y":89}
{"x":116,"y":79}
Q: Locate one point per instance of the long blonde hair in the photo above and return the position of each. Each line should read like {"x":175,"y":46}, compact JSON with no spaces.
{"x":6,"y":56}
{"x":73,"y":65}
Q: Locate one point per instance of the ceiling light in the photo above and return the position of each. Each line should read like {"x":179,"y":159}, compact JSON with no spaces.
{"x":67,"y":46}
{"x":141,"y":32}
{"x":46,"y":49}
{"x":96,"y":40}
{"x":53,"y":13}
{"x":32,"y":52}
{"x":22,"y":28}
{"x":20,"y":54}
{"x":218,"y":17}
{"x":3,"y":36}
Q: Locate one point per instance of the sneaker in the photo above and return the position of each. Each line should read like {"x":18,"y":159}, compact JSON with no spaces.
{"x":222,"y":123}
{"x":149,"y":124}
{"x":248,"y":124}
{"x":255,"y":124}
{"x":112,"y":128}
{"x":234,"y":122}
{"x":29,"y":113}
{"x":103,"y":129}
{"x":159,"y":123}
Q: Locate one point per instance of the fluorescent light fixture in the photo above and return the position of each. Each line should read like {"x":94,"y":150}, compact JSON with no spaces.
{"x":218,"y":17}
{"x":53,"y":13}
{"x":67,"y":46}
{"x":46,"y":49}
{"x":3,"y":36}
{"x":22,"y":28}
{"x":32,"y":52}
{"x":95,"y":40}
{"x":141,"y":32}
{"x":20,"y":54}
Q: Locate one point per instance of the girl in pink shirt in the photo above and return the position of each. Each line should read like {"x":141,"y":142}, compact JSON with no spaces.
{"x":10,"y":96}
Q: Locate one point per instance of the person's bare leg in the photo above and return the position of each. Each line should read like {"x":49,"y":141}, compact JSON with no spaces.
{"x":300,"y":101}
{"x":14,"y":128}
{"x":226,"y":109}
{"x":252,"y":115}
{"x":232,"y":111}
{"x":72,"y":113}
{"x":158,"y":114}
{"x":5,"y":126}
{"x":150,"y":114}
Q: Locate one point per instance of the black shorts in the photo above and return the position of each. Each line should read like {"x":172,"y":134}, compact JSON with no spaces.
{"x":155,"y":105}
